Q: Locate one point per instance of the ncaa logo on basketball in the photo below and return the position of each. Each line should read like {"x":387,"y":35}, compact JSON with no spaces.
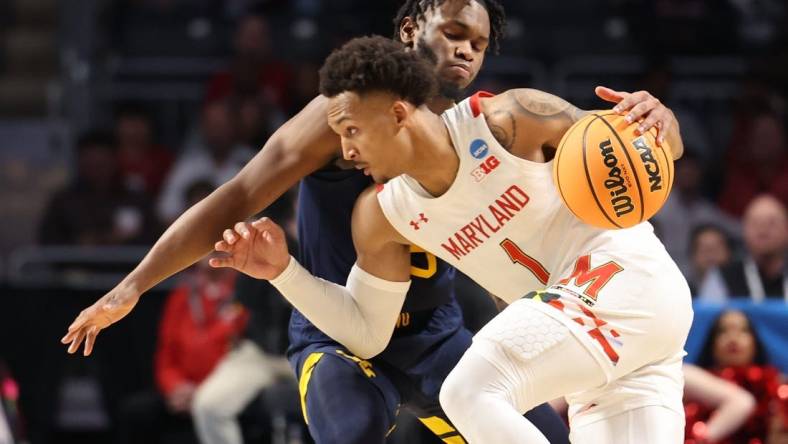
{"x":479,"y":149}
{"x":649,"y":163}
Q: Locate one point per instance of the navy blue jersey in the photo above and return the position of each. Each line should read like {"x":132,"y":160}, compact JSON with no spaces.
{"x":325,"y":206}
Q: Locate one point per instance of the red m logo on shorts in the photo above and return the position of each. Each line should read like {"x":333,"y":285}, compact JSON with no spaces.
{"x":597,"y":277}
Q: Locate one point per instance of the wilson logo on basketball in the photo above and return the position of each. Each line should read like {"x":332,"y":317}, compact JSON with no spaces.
{"x":617,"y":182}
{"x":649,"y":163}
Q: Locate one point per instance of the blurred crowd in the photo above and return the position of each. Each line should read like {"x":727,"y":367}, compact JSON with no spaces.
{"x":219,"y":370}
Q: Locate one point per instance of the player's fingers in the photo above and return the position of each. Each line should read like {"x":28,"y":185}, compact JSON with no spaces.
{"x":608,"y":94}
{"x":90,"y":339}
{"x":641,"y":109}
{"x":78,"y":340}
{"x":229,"y":236}
{"x":275,"y":234}
{"x":242,"y":229}
{"x":221,"y":262}
{"x":222,"y":246}
{"x":631,"y":100}
{"x":73,"y":329}
{"x":79,"y":321}
{"x":265,"y":224}
{"x":663,"y":127}
{"x":651,"y":121}
{"x":68,"y":337}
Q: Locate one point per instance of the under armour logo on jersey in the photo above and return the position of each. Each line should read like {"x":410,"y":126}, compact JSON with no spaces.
{"x":415,"y":223}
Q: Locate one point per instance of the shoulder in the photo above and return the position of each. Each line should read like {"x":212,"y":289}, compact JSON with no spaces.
{"x":524,"y":120}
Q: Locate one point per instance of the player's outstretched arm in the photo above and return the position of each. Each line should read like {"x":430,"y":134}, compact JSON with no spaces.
{"x":360,"y":315}
{"x":299,"y":147}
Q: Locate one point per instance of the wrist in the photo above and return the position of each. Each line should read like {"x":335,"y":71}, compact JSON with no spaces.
{"x":128,"y":287}
{"x":286,"y":273}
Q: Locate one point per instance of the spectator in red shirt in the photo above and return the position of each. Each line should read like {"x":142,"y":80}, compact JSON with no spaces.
{"x":143,"y":163}
{"x":190,"y":345}
{"x":198,"y":326}
{"x":757,"y":163}
{"x":253,"y":71}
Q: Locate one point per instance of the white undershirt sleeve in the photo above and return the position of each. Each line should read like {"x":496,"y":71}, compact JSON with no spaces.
{"x":361,"y":316}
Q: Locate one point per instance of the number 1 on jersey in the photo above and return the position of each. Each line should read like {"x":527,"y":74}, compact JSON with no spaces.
{"x":518,"y":256}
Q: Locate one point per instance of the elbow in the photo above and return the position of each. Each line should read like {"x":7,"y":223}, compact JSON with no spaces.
{"x":372,"y":344}
{"x":370,"y":348}
{"x":746,"y":402}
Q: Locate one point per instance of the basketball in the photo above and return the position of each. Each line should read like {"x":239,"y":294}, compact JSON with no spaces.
{"x":610,"y":177}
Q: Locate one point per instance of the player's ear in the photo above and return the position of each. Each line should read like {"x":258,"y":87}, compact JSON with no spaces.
{"x":401,"y":112}
{"x":407,"y":31}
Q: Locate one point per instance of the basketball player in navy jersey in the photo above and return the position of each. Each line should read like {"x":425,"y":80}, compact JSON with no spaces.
{"x":346,"y":398}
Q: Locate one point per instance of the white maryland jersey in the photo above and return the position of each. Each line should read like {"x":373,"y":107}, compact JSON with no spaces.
{"x":502,"y":221}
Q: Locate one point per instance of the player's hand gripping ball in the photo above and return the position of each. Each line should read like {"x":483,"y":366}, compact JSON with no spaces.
{"x":608,"y":176}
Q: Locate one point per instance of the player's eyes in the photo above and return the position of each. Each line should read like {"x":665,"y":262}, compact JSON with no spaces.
{"x":351,"y":131}
{"x":451,"y":35}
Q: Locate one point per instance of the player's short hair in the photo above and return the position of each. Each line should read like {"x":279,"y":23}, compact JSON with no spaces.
{"x":415,"y":9}
{"x":367,"y":64}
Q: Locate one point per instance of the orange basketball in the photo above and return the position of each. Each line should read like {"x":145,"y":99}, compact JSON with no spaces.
{"x":610,"y":177}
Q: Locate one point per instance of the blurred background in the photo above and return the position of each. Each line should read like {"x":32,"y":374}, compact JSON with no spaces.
{"x":116,"y":115}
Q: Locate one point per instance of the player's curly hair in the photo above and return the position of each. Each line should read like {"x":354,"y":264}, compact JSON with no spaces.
{"x":376,"y":63}
{"x":415,"y":9}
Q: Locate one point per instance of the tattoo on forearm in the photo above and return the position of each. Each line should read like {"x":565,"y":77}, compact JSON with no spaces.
{"x":503,"y":128}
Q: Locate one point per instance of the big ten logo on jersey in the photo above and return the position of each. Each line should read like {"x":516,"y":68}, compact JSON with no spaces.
{"x":480,"y":150}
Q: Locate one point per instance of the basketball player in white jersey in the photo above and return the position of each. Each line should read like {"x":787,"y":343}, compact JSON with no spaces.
{"x":594,"y":315}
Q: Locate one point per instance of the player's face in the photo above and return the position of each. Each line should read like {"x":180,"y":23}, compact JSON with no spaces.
{"x":735,"y":343}
{"x":457,"y":33}
{"x":369,"y":132}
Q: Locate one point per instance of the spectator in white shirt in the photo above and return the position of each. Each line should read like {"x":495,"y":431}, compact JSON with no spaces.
{"x":217,"y":157}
